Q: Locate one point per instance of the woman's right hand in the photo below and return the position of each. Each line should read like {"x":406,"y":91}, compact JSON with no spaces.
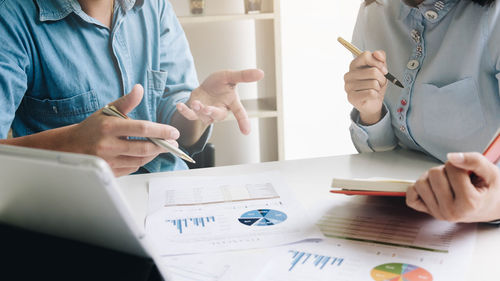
{"x":366,"y":84}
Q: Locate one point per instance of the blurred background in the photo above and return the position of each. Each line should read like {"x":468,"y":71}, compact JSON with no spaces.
{"x":300,"y":109}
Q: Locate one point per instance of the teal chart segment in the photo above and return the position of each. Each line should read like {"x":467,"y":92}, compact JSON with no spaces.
{"x":262,"y":217}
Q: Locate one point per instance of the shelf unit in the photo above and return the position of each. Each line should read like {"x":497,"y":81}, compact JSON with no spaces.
{"x":264,"y":103}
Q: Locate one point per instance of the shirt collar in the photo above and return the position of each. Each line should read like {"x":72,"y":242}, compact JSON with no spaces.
{"x":431,"y":10}
{"x":54,"y":10}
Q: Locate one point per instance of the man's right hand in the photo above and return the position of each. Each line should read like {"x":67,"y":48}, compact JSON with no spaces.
{"x":366,"y":84}
{"x":107,"y":136}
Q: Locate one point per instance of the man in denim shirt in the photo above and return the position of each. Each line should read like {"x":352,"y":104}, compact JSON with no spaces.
{"x":63,"y":60}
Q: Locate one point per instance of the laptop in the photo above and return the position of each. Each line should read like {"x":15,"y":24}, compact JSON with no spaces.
{"x":71,"y":196}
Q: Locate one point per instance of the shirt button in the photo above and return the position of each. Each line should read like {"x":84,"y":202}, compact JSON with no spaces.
{"x":431,"y":15}
{"x":403,"y":102}
{"x":402,"y":128}
{"x":413,"y":64}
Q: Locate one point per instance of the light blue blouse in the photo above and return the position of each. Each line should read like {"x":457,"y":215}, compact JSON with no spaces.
{"x":58,"y":65}
{"x":447,"y":55}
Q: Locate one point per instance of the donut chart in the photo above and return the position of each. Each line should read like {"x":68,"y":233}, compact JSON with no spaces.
{"x":400,"y":272}
{"x":262,"y":217}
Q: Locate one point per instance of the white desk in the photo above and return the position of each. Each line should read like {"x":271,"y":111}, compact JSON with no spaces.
{"x":310,"y":180}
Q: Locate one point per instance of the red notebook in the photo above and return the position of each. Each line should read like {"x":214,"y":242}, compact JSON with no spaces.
{"x":394,"y":187}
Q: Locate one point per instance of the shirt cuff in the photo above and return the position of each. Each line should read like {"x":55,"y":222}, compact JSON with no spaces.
{"x":376,"y":137}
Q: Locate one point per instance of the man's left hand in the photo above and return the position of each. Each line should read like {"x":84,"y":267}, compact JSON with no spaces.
{"x":217,"y":95}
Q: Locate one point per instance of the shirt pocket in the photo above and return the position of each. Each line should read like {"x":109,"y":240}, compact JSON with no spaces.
{"x":54,"y":113}
{"x":452,"y":112}
{"x":157,"y":81}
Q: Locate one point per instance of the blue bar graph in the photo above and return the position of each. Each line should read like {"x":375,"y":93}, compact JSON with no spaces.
{"x":181,"y":224}
{"x":318,"y":261}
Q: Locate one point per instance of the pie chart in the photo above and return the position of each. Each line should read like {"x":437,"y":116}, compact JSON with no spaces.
{"x":400,"y":272}
{"x":262,"y":217}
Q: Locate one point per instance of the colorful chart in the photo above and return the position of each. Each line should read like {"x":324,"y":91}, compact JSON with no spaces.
{"x":262,"y":217}
{"x":400,"y":272}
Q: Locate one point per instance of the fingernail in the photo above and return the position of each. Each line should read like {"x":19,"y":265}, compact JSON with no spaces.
{"x":196,"y":107}
{"x":384,"y":70}
{"x":456,"y":157}
{"x":174,"y":134}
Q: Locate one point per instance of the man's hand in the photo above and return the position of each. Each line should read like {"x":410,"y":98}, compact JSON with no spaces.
{"x":217,"y":95}
{"x":366,"y":84}
{"x":449,"y":193}
{"x":107,"y":137}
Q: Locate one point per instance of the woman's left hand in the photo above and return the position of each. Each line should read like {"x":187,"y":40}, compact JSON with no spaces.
{"x":217,"y":95}
{"x":449,"y":192}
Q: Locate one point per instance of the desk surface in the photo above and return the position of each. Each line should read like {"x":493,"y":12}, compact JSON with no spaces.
{"x":310,"y":179}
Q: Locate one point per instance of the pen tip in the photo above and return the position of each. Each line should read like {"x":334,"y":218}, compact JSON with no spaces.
{"x":399,"y":84}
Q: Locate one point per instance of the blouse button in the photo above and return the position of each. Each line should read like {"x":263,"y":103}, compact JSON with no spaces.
{"x":413,"y":64}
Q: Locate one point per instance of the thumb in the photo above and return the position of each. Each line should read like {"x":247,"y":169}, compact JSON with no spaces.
{"x":474,"y":162}
{"x":128,"y":102}
{"x":379,"y":55}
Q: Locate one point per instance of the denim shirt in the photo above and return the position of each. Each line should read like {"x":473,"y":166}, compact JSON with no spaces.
{"x":447,"y":55}
{"x":58,"y":65}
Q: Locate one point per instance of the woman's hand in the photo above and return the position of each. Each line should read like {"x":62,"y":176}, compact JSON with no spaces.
{"x":449,"y":192}
{"x":217,"y":95}
{"x":366,"y":84}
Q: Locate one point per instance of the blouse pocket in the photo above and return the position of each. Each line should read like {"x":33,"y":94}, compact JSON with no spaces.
{"x":53,"y":113}
{"x":452,"y":112}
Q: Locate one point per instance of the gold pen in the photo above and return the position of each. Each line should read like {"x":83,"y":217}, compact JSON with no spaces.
{"x":111,"y":110}
{"x":355,"y":51}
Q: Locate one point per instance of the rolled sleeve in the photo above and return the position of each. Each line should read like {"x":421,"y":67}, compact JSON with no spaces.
{"x":376,"y":137}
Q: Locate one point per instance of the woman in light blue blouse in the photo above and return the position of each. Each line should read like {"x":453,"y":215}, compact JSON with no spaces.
{"x":63,"y":60}
{"x":447,"y":55}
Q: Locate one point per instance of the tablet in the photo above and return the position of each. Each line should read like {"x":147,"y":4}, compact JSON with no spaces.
{"x":68,"y":195}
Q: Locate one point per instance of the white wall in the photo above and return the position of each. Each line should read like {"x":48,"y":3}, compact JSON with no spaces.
{"x":316,"y":111}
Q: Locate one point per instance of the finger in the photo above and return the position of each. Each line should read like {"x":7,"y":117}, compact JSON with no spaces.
{"x":199,"y":109}
{"x":370,"y":73}
{"x":215,"y":113}
{"x":124,"y":171}
{"x":363,"y":85}
{"x":128,"y":102}
{"x":425,"y":192}
{"x":138,"y":128}
{"x":123,"y":161}
{"x":187,"y":112}
{"x":414,"y":201}
{"x":366,"y":59}
{"x":460,"y":182}
{"x":379,"y":55}
{"x":241,"y":116}
{"x":440,"y":185}
{"x":475,"y":162}
{"x":134,"y":148}
{"x":239,"y":76}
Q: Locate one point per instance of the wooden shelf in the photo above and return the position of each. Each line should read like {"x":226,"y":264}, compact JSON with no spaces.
{"x":258,"y":108}
{"x":224,"y":18}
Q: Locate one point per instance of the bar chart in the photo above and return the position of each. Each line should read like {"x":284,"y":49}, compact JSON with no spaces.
{"x":314,"y":260}
{"x":182,"y":224}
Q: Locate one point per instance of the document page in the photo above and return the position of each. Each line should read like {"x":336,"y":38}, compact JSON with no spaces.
{"x":208,"y":214}
{"x":377,"y":242}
